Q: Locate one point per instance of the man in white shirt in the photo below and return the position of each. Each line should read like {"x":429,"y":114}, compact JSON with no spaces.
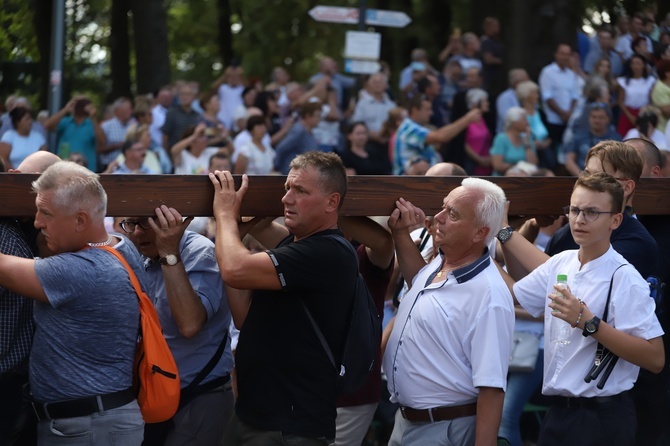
{"x":586,"y":412}
{"x":158,"y":112}
{"x":560,"y":91}
{"x":374,"y":105}
{"x":447,"y":357}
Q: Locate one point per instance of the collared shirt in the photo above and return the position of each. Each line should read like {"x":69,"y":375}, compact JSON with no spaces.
{"x":192,"y":354}
{"x":505,"y":101}
{"x":115,"y":132}
{"x":371,"y":111}
{"x":450,"y":337}
{"x":410,"y":141}
{"x":16,"y":312}
{"x":560,"y":85}
{"x":631,"y":311}
{"x":623,"y":45}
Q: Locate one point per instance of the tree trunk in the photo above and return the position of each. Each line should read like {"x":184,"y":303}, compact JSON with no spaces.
{"x":151,"y":45}
{"x":225,"y":34}
{"x":119,"y":45}
{"x":42,"y":23}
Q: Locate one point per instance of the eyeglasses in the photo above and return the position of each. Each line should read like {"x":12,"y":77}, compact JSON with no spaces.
{"x":590,"y":214}
{"x":129,"y":226}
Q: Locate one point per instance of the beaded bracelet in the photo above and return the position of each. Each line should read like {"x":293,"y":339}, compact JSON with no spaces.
{"x":581,"y":312}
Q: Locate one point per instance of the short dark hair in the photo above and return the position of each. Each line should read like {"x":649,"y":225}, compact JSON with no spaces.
{"x":218,"y":155}
{"x":17,"y":114}
{"x":602,"y":182}
{"x":652,"y":155}
{"x":253,"y":121}
{"x":416,"y":102}
{"x":333,"y":175}
{"x":309,"y":108}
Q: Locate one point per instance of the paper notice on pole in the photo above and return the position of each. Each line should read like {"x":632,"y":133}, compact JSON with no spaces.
{"x":362,"y":45}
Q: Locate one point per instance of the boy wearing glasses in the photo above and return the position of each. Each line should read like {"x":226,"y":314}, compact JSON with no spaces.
{"x":582,"y":413}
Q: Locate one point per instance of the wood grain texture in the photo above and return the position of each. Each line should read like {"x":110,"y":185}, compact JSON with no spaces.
{"x":139,"y":195}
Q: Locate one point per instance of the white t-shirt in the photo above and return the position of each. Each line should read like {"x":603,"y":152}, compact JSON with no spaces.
{"x":636,"y":90}
{"x":22,"y":146}
{"x":259,"y":162}
{"x":243,"y":138}
{"x":192,"y":165}
{"x":230,"y":98}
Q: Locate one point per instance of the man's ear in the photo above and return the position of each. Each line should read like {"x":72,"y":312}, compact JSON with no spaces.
{"x":481,"y":234}
{"x":82,"y":221}
{"x":333,"y":202}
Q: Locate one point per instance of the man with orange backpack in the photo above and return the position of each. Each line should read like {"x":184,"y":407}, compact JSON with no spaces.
{"x":86,"y":313}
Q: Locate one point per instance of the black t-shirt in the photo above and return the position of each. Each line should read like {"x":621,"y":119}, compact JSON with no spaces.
{"x":377,"y":162}
{"x":630,"y":239}
{"x":285,"y":380}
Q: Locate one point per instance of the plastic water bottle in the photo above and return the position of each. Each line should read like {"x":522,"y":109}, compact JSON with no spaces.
{"x":560,"y":330}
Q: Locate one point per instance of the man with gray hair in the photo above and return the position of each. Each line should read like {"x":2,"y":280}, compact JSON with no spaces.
{"x":86,"y":312}
{"x":115,"y":131}
{"x":457,"y":307}
{"x":508,"y":98}
{"x":373,"y":105}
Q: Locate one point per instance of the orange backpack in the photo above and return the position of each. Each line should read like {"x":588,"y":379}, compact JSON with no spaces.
{"x":156,"y":378}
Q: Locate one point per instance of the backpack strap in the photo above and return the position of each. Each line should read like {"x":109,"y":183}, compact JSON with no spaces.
{"x":133,"y":277}
{"x":312,"y":321}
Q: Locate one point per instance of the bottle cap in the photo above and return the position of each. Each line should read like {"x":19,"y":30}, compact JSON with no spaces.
{"x":562,"y":278}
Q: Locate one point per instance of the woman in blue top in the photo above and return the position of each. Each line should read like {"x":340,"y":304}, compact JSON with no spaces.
{"x":514,"y":144}
{"x":528,"y":93}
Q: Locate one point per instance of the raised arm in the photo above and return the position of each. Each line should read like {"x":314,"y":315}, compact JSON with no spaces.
{"x":185,"y":304}
{"x":449,"y":131}
{"x":377,"y":240}
{"x":404,"y":217}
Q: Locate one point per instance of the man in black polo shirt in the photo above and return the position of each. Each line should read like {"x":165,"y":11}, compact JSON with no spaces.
{"x":286,"y":383}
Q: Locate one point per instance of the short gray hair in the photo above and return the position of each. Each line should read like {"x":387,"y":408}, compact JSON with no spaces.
{"x":490,"y":209}
{"x":513,"y":115}
{"x":475,"y":96}
{"x":524,"y":89}
{"x":75,"y":188}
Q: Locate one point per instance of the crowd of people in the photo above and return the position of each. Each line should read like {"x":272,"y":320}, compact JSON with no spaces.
{"x":238,"y":298}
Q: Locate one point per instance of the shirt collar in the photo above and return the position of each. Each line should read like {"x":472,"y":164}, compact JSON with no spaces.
{"x":469,"y":271}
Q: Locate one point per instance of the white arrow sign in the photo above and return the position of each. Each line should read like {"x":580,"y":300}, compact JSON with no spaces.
{"x":374,"y":17}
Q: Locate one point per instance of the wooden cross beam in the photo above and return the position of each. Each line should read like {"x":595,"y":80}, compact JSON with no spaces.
{"x":139,"y":195}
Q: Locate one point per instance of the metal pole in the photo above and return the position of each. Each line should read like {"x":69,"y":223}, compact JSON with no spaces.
{"x":56,"y":63}
{"x":362,"y":10}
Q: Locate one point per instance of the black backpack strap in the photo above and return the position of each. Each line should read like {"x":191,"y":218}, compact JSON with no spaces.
{"x":317,"y":330}
{"x":604,"y":359}
{"x":191,"y":391}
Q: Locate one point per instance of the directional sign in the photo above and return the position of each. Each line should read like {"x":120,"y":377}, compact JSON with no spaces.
{"x":361,"y":66}
{"x":373,"y":17}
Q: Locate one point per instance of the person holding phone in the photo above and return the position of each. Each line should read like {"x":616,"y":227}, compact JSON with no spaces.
{"x":78,"y":130}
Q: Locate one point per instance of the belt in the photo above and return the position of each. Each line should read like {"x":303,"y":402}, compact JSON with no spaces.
{"x":587,"y":403}
{"x":82,"y":407}
{"x":438,"y":413}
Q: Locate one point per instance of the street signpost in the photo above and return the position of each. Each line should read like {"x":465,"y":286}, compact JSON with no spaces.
{"x":373,"y":17}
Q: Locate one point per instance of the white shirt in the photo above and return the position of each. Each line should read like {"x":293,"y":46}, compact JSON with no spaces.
{"x":192,"y":165}
{"x":450,"y":337}
{"x":243,"y":138}
{"x":230,"y":98}
{"x":158,"y":113}
{"x":259,"y":162}
{"x":631,"y":311}
{"x":559,"y":85}
{"x":636,"y":90}
{"x":371,"y":111}
{"x":657,"y":137}
{"x":22,"y":146}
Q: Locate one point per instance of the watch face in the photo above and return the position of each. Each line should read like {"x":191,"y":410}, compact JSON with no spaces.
{"x":171,"y":259}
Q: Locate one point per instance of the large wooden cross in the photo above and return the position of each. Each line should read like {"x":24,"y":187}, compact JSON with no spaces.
{"x":139,"y":195}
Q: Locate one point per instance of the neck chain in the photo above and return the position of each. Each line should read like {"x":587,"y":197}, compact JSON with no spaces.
{"x":105,"y":243}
